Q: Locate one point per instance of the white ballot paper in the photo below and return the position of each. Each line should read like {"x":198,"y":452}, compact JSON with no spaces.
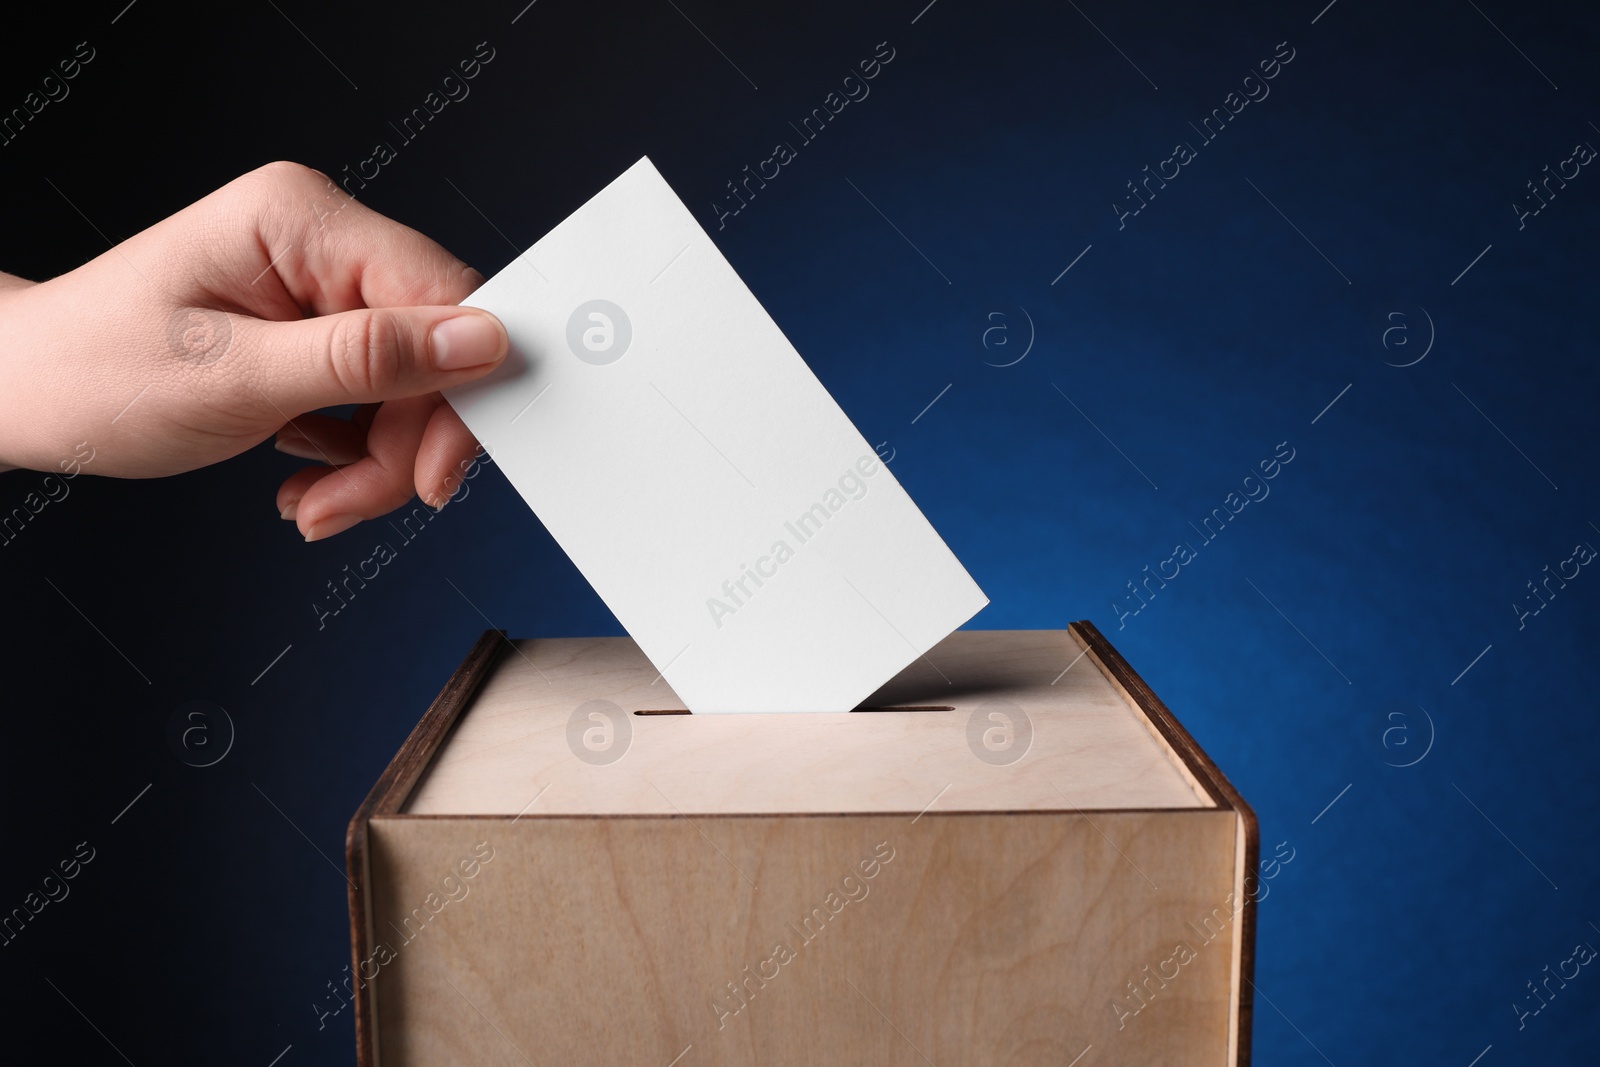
{"x":678,"y":448}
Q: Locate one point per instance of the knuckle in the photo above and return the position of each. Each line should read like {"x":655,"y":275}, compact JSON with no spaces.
{"x":363,"y":353}
{"x":468,"y":279}
{"x":258,"y":199}
{"x":289,"y":174}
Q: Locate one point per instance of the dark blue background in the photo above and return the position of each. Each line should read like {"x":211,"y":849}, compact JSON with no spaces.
{"x":1197,"y":338}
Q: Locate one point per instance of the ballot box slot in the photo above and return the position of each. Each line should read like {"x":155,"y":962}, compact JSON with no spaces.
{"x":907,"y":707}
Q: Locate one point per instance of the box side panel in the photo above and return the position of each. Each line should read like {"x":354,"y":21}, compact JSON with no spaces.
{"x":951,"y":938}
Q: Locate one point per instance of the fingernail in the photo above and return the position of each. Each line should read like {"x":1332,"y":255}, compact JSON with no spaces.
{"x":292,"y":444}
{"x":466,"y":341}
{"x":289,"y":510}
{"x":331,"y":525}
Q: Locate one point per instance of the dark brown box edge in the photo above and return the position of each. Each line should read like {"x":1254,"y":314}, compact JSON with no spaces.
{"x":1222,"y":791}
{"x":390,"y":791}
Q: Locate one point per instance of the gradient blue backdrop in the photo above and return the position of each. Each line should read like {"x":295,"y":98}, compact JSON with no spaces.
{"x":1314,"y":645}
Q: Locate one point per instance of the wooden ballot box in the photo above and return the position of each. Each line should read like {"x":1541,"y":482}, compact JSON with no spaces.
{"x":1011,"y":854}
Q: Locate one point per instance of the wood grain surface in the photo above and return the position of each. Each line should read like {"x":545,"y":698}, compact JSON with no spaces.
{"x":986,"y":939}
{"x":1090,"y":747}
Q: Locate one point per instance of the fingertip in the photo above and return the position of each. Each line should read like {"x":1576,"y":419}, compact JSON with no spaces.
{"x":470,"y":339}
{"x":330,"y":525}
{"x":375,"y":484}
{"x":294,"y":489}
{"x":445,"y":457}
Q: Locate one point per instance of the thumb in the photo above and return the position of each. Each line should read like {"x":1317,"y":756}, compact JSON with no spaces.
{"x":375,"y":354}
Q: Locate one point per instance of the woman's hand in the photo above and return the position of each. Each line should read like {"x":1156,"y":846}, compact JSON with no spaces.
{"x":227,"y":323}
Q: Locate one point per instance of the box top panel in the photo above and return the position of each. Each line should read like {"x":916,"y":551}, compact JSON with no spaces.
{"x":1033,"y":725}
